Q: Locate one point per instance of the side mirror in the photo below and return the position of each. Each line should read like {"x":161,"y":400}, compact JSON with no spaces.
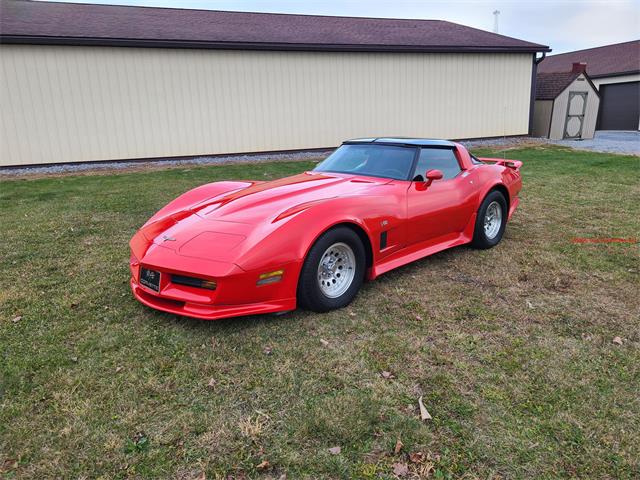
{"x":430,"y":176}
{"x":434,"y":174}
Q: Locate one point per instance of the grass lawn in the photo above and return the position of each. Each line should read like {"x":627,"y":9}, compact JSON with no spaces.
{"x":511,"y":348}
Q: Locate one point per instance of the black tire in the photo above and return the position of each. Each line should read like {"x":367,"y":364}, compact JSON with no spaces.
{"x":310,"y":294}
{"x":480,"y":238}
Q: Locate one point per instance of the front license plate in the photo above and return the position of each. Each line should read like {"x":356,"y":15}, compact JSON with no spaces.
{"x":150,"y":279}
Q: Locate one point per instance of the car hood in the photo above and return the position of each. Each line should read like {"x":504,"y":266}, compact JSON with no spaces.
{"x":223,"y":227}
{"x":268,"y":200}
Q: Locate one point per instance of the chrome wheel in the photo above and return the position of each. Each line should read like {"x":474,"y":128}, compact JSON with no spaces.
{"x":492,"y":220}
{"x":336,"y":270}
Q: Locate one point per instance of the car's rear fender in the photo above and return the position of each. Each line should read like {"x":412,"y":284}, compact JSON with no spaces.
{"x":508,"y":184}
{"x":500,"y":173}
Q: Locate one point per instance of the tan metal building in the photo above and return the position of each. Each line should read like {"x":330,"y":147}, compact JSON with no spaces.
{"x":89,"y":82}
{"x":566,"y":105}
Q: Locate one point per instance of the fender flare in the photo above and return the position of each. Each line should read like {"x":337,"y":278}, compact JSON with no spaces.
{"x":360,"y":229}
{"x":501,"y":187}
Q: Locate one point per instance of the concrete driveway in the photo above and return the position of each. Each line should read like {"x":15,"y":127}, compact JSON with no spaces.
{"x":608,"y":141}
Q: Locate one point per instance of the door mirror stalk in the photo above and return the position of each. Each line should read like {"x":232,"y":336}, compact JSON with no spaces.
{"x":432,"y":175}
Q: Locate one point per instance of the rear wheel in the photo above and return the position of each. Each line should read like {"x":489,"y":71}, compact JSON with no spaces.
{"x":491,"y":221}
{"x":333,"y":271}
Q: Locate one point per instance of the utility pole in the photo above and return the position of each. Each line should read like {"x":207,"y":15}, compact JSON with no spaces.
{"x":496,"y":14}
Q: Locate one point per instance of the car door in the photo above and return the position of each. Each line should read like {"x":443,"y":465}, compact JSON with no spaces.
{"x":443,"y":208}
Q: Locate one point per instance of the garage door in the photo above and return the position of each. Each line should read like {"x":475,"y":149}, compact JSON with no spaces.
{"x":620,"y":106}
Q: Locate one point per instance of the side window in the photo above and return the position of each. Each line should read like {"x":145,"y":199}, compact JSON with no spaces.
{"x":475,"y":160}
{"x":443,"y":159}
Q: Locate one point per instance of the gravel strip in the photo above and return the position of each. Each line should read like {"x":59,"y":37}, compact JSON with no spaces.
{"x":107,"y":167}
{"x":609,"y":142}
{"x":162,"y":163}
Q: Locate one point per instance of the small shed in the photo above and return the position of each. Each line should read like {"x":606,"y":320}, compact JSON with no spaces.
{"x":615,"y":71}
{"x":566,"y":105}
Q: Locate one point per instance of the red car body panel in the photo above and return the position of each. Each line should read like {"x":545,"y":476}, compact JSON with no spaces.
{"x":234,"y":232}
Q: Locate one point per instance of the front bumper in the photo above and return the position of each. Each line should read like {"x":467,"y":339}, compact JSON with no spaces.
{"x":237,"y":292}
{"x":207,"y":311}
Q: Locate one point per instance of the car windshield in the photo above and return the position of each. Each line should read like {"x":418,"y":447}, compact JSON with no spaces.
{"x":386,"y":161}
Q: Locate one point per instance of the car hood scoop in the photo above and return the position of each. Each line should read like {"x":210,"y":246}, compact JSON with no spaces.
{"x":266,"y":201}
{"x":196,"y":237}
{"x":210,"y":245}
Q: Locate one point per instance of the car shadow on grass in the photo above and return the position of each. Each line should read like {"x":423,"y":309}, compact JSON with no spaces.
{"x":277,"y":319}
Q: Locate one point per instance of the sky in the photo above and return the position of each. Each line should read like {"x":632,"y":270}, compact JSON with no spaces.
{"x":564,"y":25}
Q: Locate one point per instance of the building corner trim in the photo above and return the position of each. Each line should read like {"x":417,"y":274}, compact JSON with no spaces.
{"x":532,"y":100}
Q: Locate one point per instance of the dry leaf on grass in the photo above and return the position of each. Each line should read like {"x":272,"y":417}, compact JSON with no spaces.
{"x":263,"y":465}
{"x":400,"y":469}
{"x":387,"y":375}
{"x":267,"y":350}
{"x":424,"y":414}
{"x":8,"y":465}
{"x":416,"y":457}
{"x":118,"y":369}
{"x":617,"y":340}
{"x":398,"y":446}
{"x":335,"y":450}
{"x":212,"y":383}
{"x":324,"y":342}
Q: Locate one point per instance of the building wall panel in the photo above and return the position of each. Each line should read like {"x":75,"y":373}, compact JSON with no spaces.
{"x":72,"y":104}
{"x":541,"y":118}
{"x":635,"y":77}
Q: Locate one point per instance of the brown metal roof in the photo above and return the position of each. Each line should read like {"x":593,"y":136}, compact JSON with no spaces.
{"x":610,"y":60}
{"x":24,"y":21}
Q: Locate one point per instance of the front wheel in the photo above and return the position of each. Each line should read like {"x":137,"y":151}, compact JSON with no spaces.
{"x":491,"y":221}
{"x":333,"y":271}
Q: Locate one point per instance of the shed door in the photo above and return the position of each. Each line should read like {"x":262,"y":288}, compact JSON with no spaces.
{"x":575,"y":114}
{"x":620,"y":106}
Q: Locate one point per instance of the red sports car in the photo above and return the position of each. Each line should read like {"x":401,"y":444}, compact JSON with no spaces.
{"x":227,"y":249}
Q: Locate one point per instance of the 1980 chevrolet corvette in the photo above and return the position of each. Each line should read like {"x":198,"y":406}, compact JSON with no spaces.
{"x":239,"y":248}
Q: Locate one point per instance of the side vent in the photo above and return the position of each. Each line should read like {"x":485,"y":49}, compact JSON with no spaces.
{"x":383,"y":240}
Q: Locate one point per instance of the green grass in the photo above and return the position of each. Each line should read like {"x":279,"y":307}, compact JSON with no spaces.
{"x":511,"y":348}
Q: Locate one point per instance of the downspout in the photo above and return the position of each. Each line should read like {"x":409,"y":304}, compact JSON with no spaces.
{"x":532,"y":100}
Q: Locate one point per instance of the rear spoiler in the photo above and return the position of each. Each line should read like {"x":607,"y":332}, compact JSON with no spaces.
{"x":515,"y":164}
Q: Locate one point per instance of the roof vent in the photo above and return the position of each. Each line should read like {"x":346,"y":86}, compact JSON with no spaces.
{"x":579,"y":67}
